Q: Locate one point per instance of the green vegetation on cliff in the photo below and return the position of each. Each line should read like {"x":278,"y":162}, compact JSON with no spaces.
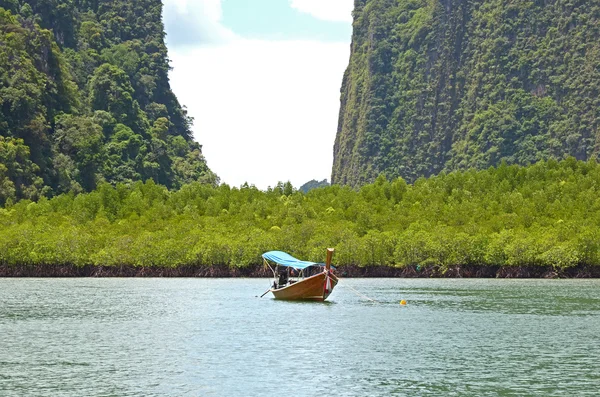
{"x":547,"y":214}
{"x":448,"y":85}
{"x":85,"y":99}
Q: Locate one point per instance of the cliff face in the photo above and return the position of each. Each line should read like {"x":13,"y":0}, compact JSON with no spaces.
{"x":85,"y":99}
{"x":441,"y":85}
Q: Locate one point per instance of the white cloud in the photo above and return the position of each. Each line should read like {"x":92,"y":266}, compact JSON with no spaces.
{"x":211,"y":9}
{"x":194,"y":23}
{"x":265,"y":111}
{"x":328,"y":10}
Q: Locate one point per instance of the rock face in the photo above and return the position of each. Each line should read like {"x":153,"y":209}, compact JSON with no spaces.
{"x":442,"y":85}
{"x":85,"y":99}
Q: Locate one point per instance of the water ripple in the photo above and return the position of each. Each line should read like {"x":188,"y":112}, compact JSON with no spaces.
{"x":198,"y":337}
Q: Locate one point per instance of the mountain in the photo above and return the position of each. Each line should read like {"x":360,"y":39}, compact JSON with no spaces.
{"x":85,"y":99}
{"x":313,"y":184}
{"x":442,"y":85}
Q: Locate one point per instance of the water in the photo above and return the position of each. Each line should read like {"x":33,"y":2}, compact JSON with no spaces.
{"x":203,"y":337}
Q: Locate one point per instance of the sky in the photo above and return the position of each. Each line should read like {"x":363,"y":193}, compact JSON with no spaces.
{"x":262,"y":80}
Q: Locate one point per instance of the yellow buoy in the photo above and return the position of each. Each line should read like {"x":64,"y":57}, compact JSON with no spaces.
{"x":403,"y":302}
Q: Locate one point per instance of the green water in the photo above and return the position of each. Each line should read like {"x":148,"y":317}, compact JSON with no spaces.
{"x":202,"y":337}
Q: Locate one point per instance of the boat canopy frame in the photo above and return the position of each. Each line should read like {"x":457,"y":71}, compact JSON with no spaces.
{"x":286,"y":260}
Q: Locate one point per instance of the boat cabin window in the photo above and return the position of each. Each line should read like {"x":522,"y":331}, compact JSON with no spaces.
{"x":284,"y":274}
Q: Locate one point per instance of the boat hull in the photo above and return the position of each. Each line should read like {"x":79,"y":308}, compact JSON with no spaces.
{"x":311,"y":288}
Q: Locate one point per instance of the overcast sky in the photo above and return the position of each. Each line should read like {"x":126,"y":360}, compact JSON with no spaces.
{"x":262,"y":80}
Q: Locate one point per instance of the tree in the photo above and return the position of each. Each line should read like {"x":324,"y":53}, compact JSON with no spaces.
{"x":18,"y":174}
{"x":81,"y":139}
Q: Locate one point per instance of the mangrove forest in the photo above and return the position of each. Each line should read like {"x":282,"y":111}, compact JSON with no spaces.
{"x":545,"y":215}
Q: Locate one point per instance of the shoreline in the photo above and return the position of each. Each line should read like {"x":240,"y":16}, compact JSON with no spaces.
{"x":259,"y":271}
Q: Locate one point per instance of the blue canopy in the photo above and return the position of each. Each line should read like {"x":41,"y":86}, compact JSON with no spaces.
{"x":285,"y":259}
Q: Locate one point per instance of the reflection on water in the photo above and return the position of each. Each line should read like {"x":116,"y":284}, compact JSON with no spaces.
{"x":201,"y":337}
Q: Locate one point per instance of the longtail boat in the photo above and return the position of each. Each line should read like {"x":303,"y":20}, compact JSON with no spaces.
{"x":300,"y":280}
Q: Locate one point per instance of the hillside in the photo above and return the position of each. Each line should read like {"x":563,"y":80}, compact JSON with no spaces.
{"x":85,"y":99}
{"x":313,"y":184}
{"x":447,"y":85}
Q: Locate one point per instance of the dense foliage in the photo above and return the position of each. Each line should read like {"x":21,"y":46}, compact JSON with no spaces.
{"x":447,"y":85}
{"x":545,"y":214}
{"x":85,"y":99}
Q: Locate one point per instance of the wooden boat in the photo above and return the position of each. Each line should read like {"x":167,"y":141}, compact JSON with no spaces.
{"x":294,"y":279}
